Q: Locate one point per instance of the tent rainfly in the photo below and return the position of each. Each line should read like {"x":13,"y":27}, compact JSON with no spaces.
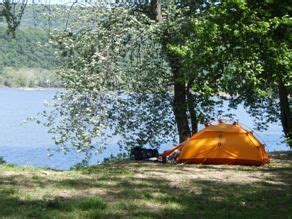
{"x":221,"y":143}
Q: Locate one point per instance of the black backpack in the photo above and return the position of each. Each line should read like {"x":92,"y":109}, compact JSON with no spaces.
{"x":138,"y":153}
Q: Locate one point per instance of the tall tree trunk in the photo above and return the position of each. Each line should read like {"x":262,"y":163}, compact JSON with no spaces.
{"x":191,"y":108}
{"x":286,"y":114}
{"x":180,"y":93}
{"x":180,"y":101}
{"x":156,"y":13}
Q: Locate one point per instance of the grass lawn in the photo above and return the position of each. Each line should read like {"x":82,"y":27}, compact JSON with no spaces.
{"x":148,"y":190}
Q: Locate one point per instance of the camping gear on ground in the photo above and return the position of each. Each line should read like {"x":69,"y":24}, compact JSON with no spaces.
{"x":139,"y":153}
{"x":171,"y":158}
{"x":153,"y":159}
{"x":221,"y":143}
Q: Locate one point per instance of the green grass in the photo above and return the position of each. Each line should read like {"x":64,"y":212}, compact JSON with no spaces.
{"x":147,"y":190}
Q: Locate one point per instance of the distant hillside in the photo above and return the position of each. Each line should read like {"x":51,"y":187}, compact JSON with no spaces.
{"x":28,"y":60}
{"x":37,"y":16}
{"x":28,"y":49}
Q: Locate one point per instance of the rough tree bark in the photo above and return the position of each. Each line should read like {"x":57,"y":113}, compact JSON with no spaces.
{"x":286,"y":114}
{"x":155,"y":10}
{"x":180,"y":105}
{"x":191,"y":107}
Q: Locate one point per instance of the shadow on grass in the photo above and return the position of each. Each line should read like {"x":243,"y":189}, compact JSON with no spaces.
{"x":128,"y":196}
{"x":13,"y":207}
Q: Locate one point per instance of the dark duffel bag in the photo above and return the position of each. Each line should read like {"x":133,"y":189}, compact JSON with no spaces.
{"x":138,"y":153}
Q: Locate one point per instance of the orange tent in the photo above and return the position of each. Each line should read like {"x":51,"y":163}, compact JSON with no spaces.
{"x":222,"y":144}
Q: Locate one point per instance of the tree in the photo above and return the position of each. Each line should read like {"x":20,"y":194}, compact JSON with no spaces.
{"x":107,"y":58}
{"x":12,"y":11}
{"x":193,"y":95}
{"x":246,"y":42}
{"x":120,"y":72}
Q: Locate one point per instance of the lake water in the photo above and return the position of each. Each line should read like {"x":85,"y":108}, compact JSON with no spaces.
{"x":26,"y":144}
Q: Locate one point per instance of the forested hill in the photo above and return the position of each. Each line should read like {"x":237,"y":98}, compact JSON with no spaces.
{"x":27,"y":60}
{"x":27,"y":49}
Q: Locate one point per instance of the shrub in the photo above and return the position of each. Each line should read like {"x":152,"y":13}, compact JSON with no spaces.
{"x":2,"y":161}
{"x":28,"y":77}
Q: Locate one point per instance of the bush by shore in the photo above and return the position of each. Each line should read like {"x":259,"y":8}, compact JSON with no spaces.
{"x":28,"y":77}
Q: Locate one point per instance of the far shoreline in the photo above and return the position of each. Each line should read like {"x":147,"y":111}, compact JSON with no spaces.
{"x":275,"y":156}
{"x":32,"y":88}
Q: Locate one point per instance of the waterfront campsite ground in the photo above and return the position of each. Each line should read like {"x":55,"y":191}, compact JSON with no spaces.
{"x":149,"y":190}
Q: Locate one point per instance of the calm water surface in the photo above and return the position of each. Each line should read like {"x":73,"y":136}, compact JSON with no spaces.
{"x":26,"y":144}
